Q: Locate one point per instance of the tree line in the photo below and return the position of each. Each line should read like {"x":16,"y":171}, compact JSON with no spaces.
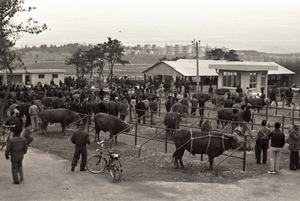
{"x":86,"y":60}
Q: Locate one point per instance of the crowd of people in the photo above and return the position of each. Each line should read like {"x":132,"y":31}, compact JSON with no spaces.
{"x":120,"y":102}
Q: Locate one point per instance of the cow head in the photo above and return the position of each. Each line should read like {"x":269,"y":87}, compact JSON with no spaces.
{"x":234,"y":140}
{"x":267,"y":101}
{"x":126,"y":125}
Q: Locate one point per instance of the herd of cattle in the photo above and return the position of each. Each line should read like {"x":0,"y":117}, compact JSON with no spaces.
{"x":65,"y":112}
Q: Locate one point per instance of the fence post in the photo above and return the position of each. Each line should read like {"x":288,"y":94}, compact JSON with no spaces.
{"x":135,"y":133}
{"x":267,"y":111}
{"x":88,"y":123}
{"x":130,"y":113}
{"x":244,"y":158}
{"x":151,"y":119}
{"x":283,"y":102}
{"x":252,"y":126}
{"x":159,"y":106}
{"x":166,"y":141}
{"x":283,"y":123}
{"x":293,"y":115}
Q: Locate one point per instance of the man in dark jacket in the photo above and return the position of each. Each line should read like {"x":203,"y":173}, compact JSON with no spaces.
{"x":277,"y":142}
{"x":80,"y":138}
{"x":153,"y":109}
{"x":140,"y":109}
{"x":294,"y":144}
{"x":16,"y":147}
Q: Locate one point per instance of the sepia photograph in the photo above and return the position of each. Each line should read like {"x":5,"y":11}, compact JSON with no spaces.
{"x":149,"y":100}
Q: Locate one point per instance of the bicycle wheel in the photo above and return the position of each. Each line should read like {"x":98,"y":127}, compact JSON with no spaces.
{"x":115,"y":169}
{"x":2,"y":142}
{"x":96,"y":164}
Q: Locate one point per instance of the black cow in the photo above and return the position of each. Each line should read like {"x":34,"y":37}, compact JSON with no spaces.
{"x":110,"y":123}
{"x":172,"y":120}
{"x":24,"y":110}
{"x":62,"y":116}
{"x":205,"y":125}
{"x":213,"y":144}
{"x":199,"y":96}
{"x":258,"y":103}
{"x":229,"y":114}
{"x":54,"y":102}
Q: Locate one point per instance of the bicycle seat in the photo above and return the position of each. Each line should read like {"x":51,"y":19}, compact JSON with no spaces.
{"x":111,"y":151}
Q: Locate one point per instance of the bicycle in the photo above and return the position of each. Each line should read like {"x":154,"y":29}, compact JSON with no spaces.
{"x":5,"y":135}
{"x":98,"y":163}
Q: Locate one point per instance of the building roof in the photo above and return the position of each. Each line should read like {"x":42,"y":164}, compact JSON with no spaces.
{"x":188,"y":67}
{"x":245,"y":66}
{"x":36,"y":71}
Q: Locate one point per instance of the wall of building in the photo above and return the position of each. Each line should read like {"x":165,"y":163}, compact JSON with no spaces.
{"x":47,"y":78}
{"x":245,"y":81}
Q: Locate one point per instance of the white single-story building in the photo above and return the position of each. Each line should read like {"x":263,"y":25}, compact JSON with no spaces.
{"x":252,"y":75}
{"x":33,"y":76}
{"x":224,"y":74}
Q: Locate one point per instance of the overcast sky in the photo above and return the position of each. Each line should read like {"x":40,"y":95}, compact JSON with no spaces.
{"x":265,"y":25}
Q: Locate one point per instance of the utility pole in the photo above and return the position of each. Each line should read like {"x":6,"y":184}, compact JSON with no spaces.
{"x":196,"y":45}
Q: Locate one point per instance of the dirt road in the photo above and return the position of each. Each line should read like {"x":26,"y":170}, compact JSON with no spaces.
{"x":48,"y":177}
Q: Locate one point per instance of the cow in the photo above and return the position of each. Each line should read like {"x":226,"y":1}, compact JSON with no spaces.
{"x":172,"y":120}
{"x":169,"y":102}
{"x":258,"y":103}
{"x":229,"y":114}
{"x":218,"y":100}
{"x":98,"y":107}
{"x":111,"y":123}
{"x":205,"y":125}
{"x":213,"y":144}
{"x":24,"y":110}
{"x":177,"y":107}
{"x":62,"y":116}
{"x":201,"y":95}
{"x":54,"y":101}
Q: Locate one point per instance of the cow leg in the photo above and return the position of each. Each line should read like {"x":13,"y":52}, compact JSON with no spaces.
{"x":28,"y":120}
{"x":178,"y":157}
{"x":111,"y":137}
{"x":63,"y":127}
{"x":211,"y":161}
{"x":175,"y":157}
{"x":44,"y":127}
{"x":97,"y":132}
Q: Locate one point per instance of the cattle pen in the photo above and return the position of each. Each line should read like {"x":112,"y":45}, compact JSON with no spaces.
{"x":286,"y":116}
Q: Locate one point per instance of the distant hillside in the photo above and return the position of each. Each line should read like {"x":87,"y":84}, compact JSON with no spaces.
{"x":54,"y":56}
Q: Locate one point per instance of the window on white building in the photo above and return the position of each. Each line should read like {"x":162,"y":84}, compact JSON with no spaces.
{"x":54,"y":75}
{"x":41,"y":76}
{"x":231,"y":79}
{"x":253,"y":80}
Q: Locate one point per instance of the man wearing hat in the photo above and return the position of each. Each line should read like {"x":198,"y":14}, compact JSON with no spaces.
{"x":294,"y":144}
{"x":80,"y":138}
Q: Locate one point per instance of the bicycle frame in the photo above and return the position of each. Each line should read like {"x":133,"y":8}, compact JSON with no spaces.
{"x":98,"y":163}
{"x":5,"y":135}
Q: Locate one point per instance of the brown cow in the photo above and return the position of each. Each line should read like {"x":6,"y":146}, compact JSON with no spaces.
{"x":213,"y":144}
{"x":172,"y":120}
{"x":229,"y":114}
{"x":112,"y":124}
{"x":62,"y":116}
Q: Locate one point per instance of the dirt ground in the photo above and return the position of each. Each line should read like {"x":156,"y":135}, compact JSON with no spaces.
{"x":154,"y":164}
